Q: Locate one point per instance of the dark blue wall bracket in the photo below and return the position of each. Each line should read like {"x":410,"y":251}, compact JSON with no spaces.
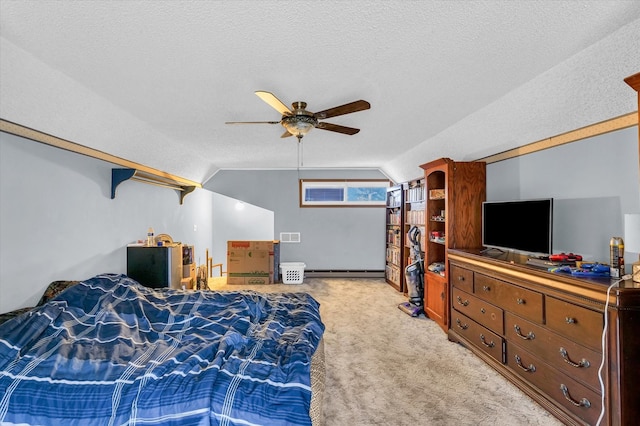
{"x":120,"y":175}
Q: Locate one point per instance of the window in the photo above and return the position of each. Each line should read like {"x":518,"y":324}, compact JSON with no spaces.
{"x":343,"y":193}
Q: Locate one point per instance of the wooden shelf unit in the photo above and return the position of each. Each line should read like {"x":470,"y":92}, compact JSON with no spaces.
{"x":132,"y":170}
{"x":454,"y":193}
{"x":395,"y":253}
{"x":121,"y":175}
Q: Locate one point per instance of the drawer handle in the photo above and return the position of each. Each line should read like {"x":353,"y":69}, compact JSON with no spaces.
{"x":582,"y":364}
{"x":461,"y":302}
{"x":486,"y":288}
{"x":529,"y":336}
{"x":584,"y":402}
{"x":460,"y":278}
{"x":484,"y":342}
{"x":520,"y":301}
{"x":530,"y":369}
{"x":570,"y":320}
{"x":461,"y":325}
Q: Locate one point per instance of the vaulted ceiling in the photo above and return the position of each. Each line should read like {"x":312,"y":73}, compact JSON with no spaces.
{"x":155,"y":82}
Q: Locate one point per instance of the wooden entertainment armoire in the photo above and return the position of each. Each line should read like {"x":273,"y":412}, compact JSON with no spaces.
{"x":543,"y":331}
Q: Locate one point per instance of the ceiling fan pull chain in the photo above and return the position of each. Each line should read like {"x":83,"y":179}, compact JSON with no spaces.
{"x":300,"y":153}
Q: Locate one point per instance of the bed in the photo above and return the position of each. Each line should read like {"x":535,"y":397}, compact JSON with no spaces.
{"x":111,"y":351}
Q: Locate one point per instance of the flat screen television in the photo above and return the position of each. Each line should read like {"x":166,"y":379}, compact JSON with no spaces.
{"x":520,"y":225}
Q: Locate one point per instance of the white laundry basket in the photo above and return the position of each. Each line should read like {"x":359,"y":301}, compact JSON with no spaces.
{"x":292,"y":272}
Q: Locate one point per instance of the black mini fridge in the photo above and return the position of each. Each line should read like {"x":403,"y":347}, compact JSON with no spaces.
{"x":155,"y":267}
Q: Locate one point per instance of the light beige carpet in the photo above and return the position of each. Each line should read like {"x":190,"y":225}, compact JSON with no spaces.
{"x":387,"y":368}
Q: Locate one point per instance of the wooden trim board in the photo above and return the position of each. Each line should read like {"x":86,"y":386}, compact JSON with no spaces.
{"x":618,"y":123}
{"x":37,"y":136}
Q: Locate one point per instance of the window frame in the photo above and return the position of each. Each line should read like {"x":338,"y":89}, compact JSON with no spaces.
{"x":345,"y":184}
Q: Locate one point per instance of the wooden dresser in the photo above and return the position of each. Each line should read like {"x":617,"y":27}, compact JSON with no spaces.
{"x":543,"y":332}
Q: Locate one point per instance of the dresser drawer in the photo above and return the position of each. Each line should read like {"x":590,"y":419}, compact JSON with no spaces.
{"x":526,"y":303}
{"x":486,"y":340}
{"x":461,"y":278}
{"x":579,"y":324}
{"x":479,"y":310}
{"x":566,"y":392}
{"x":575,"y":360}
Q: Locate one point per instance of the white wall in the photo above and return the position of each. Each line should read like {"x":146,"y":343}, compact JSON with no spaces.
{"x":331,"y":238}
{"x":593,"y":182}
{"x":231,"y":223}
{"x":58,"y":221}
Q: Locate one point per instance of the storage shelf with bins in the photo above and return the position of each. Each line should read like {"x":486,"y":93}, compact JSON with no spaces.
{"x":394,"y":272}
{"x":453,"y":212}
{"x":414,"y":216}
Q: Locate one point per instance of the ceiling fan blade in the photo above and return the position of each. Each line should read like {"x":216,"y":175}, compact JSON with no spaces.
{"x":251,"y":122}
{"x":337,"y":128}
{"x":343,"y":109}
{"x":274,"y":102}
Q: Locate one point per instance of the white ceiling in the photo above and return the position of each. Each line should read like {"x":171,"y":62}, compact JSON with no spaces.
{"x":154,"y":82}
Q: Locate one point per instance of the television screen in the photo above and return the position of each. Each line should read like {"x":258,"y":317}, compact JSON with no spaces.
{"x":522,"y":225}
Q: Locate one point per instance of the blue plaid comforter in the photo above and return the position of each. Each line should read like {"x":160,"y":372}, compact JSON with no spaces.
{"x":109,"y":351}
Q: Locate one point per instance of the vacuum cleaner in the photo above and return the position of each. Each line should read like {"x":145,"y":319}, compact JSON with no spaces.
{"x":414,"y":276}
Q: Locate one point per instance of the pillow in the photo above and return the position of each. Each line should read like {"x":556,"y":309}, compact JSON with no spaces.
{"x":7,"y":316}
{"x":54,"y":289}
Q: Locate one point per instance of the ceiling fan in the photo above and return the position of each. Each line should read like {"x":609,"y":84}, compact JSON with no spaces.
{"x":298,"y":121}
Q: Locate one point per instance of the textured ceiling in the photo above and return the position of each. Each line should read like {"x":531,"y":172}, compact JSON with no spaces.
{"x":154,"y":82}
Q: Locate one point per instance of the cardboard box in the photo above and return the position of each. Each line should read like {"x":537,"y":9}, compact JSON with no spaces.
{"x":251,"y":262}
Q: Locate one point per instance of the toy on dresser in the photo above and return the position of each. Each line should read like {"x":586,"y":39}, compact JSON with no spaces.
{"x":565,"y":257}
{"x":584,"y":270}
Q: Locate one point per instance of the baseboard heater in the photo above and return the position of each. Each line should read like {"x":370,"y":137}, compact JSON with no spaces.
{"x":343,"y":273}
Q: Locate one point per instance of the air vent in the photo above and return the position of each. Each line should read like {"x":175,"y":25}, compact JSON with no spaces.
{"x":289,"y":237}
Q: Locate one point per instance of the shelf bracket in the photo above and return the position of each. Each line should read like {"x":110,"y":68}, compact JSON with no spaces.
{"x":120,"y":175}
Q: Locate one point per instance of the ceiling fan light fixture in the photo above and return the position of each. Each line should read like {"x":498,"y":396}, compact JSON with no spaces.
{"x":299,"y":125}
{"x":298,"y":121}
